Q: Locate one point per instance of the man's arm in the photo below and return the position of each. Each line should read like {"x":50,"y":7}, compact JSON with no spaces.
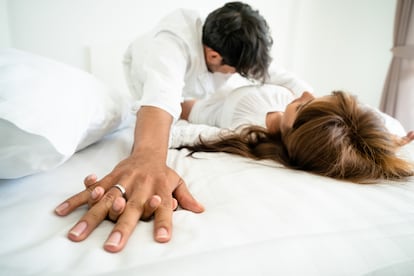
{"x":158,"y":67}
{"x":186,"y":107}
{"x":143,"y":174}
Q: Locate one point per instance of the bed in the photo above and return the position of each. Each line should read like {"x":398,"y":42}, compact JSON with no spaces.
{"x":260,"y":219}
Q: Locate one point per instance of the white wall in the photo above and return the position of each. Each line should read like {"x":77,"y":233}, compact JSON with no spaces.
{"x":63,"y":28}
{"x":4,"y":25}
{"x":333,"y":44}
{"x":345,"y":44}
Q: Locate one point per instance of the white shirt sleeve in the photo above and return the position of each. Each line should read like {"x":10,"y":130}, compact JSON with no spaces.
{"x":164,"y":72}
{"x":159,"y":69}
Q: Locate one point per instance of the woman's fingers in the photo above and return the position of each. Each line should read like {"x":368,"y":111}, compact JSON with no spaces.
{"x":90,"y":180}
{"x":97,"y":192}
{"x":174,"y":204}
{"x":186,"y":200}
{"x":150,"y":206}
{"x":402,"y":141}
{"x":410,"y":136}
{"x":117,"y":208}
{"x":135,"y":210}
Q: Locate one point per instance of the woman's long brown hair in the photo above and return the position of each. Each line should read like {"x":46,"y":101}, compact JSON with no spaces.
{"x":338,"y":138}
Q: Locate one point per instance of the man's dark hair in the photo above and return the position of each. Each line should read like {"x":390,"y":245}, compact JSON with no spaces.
{"x":242,"y":37}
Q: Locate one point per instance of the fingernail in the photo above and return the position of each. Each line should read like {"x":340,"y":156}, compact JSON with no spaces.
{"x":162,"y":233}
{"x":114,"y":239}
{"x":62,"y":207}
{"x":94,"y":194}
{"x":155,"y":201}
{"x":91,"y":176}
{"x":116,"y":206}
{"x":79,"y":229}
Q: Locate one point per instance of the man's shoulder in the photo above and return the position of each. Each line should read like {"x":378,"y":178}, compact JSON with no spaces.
{"x":182,"y":15}
{"x":183,"y":24}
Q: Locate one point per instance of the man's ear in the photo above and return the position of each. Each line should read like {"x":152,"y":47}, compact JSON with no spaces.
{"x":212,"y":57}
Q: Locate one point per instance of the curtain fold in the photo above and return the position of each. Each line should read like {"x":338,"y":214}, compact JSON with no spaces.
{"x":398,"y":94}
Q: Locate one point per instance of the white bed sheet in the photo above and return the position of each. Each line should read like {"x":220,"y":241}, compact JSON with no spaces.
{"x":260,"y":219}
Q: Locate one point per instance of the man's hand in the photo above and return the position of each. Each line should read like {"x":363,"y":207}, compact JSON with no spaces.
{"x":149,"y":184}
{"x":142,"y":203}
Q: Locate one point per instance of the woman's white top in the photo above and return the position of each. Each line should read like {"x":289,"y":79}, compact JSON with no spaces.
{"x":229,"y":109}
{"x":244,"y":105}
{"x":250,"y":104}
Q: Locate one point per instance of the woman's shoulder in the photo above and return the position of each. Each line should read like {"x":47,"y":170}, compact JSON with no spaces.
{"x":264,"y":88}
{"x":268,"y":92}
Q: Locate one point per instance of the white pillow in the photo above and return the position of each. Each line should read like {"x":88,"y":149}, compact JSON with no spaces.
{"x":49,"y":110}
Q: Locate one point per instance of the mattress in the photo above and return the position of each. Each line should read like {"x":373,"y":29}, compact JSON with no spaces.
{"x":260,"y":219}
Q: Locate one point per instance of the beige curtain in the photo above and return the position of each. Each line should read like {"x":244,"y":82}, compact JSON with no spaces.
{"x":398,"y":95}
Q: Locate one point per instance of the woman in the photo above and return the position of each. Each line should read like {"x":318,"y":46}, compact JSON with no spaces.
{"x":333,"y":135}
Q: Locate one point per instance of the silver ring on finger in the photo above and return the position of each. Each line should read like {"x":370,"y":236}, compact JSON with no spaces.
{"x":121,"y":189}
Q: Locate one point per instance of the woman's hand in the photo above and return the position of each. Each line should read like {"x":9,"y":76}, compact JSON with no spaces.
{"x":401,"y":141}
{"x":149,"y":191}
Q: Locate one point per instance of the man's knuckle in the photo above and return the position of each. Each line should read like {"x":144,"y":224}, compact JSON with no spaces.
{"x":126,"y":224}
{"x":90,"y":188}
{"x":135,"y":204}
{"x":109,"y":197}
{"x":96,"y":215}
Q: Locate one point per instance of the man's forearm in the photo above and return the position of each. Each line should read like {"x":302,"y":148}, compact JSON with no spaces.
{"x":152,"y":130}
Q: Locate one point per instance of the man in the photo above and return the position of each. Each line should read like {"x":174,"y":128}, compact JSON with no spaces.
{"x":180,"y":58}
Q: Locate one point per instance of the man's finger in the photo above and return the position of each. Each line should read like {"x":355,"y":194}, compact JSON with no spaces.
{"x":124,"y":227}
{"x":73,"y":202}
{"x":163,"y":223}
{"x":95,"y":215}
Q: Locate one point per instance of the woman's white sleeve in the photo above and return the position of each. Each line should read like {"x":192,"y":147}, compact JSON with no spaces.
{"x":184,"y":133}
